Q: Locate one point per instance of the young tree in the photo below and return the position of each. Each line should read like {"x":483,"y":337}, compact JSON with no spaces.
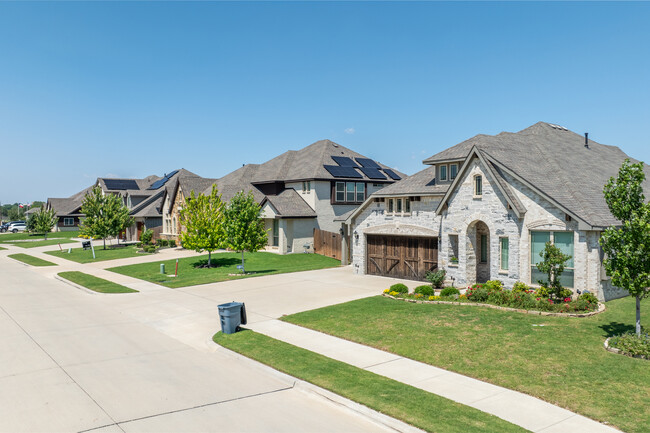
{"x":42,"y":221}
{"x":203,"y":218}
{"x":552,"y":264}
{"x":244,"y":225}
{"x":105,"y":215}
{"x":627,"y":246}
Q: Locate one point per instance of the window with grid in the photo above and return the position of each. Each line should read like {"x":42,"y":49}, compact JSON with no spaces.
{"x":562,"y":240}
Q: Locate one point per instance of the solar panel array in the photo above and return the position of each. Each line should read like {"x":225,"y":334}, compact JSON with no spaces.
{"x":372,"y":173}
{"x":159,"y":183}
{"x":391,"y":174}
{"x":121,"y":184}
{"x":338,"y":171}
{"x":367,"y":162}
{"x":344,"y":161}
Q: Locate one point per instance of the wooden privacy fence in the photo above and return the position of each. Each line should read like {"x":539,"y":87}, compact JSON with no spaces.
{"x":327,"y":243}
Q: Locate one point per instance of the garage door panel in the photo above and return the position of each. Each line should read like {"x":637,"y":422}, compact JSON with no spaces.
{"x":401,"y":257}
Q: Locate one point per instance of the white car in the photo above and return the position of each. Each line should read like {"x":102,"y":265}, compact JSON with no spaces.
{"x":17,"y":227}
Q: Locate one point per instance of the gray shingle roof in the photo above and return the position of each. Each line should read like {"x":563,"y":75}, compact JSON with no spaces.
{"x":421,"y":183}
{"x":555,"y":162}
{"x":290,"y":204}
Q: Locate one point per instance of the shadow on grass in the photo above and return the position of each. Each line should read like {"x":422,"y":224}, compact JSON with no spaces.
{"x":216,"y":262}
{"x":615,"y":328}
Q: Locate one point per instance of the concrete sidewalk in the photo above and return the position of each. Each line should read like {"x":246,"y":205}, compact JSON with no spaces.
{"x":521,"y":409}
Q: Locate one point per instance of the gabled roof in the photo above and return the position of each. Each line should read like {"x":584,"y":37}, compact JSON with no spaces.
{"x":308,"y":164}
{"x":421,"y":183}
{"x":555,"y":163}
{"x":289,"y":204}
{"x":68,"y":206}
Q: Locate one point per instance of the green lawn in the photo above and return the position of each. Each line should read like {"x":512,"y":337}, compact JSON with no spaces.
{"x":409,"y":404}
{"x":1,"y":248}
{"x":23,"y":236}
{"x":257,"y":264}
{"x":80,"y":255}
{"x":34,"y":244}
{"x":94,"y":283}
{"x":31,"y":260}
{"x":562,"y":362}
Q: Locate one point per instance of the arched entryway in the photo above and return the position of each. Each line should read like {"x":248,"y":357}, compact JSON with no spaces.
{"x":478,"y":252}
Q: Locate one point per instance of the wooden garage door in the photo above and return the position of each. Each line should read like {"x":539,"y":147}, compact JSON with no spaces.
{"x":401,"y":257}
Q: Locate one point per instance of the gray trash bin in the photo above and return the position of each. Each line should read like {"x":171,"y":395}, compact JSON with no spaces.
{"x":232,"y":315}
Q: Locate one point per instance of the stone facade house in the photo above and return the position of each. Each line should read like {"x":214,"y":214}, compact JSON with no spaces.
{"x":485,"y":208}
{"x":299,"y":191}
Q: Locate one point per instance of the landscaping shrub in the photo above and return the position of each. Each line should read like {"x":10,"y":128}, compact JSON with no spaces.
{"x":436,"y":278}
{"x":172,"y":243}
{"x":149,"y":248}
{"x":542,"y":292}
{"x":399,"y":288}
{"x":631,"y":344}
{"x":500,"y":297}
{"x":478,"y":294}
{"x":589,"y":297}
{"x":146,"y":236}
{"x":494,"y":285}
{"x":161,"y":242}
{"x":449,"y":291}
{"x":424,"y":290}
{"x":520,"y":287}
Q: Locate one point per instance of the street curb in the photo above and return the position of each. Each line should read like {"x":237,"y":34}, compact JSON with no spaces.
{"x":306,"y":387}
{"x":85,"y":289}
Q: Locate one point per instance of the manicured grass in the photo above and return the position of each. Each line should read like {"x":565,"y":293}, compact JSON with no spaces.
{"x":34,"y":244}
{"x":257,"y":264}
{"x":31,"y":260}
{"x":94,"y":283}
{"x":80,"y":255}
{"x":562,"y":362}
{"x":1,"y":248}
{"x":409,"y":404}
{"x":23,"y":236}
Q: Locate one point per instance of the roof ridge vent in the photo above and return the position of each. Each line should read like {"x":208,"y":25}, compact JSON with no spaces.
{"x":559,"y":127}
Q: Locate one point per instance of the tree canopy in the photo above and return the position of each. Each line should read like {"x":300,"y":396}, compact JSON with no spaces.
{"x":203,"y":219}
{"x":104,"y":215}
{"x":627,"y":246}
{"x":244,"y":225}
{"x":42,"y":221}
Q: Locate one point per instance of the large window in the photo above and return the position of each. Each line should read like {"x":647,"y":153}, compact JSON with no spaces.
{"x":68,"y":221}
{"x":453,"y":249}
{"x":504,"y":256}
{"x":350,"y":192}
{"x":399,"y":206}
{"x":562,"y":240}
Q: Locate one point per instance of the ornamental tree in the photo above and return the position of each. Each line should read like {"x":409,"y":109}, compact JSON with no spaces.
{"x":105,"y":215}
{"x":552,"y":264}
{"x":43,"y":221}
{"x":244,"y":225}
{"x":203,"y":218}
{"x":627,"y":246}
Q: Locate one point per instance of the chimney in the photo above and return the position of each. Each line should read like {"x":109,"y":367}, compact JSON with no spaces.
{"x":587,"y":140}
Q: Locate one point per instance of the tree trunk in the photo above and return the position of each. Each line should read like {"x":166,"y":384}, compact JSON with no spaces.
{"x":242,"y":262}
{"x":209,"y":259}
{"x":638,"y":315}
{"x":104,"y":242}
{"x":45,"y":234}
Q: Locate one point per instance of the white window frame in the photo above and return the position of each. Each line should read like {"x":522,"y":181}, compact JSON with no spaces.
{"x":453,"y":176}
{"x":65,"y":221}
{"x":478,"y":193}
{"x":501,"y":268}
{"x":337,"y":192}
{"x":354,"y":190}
{"x":446,"y":169}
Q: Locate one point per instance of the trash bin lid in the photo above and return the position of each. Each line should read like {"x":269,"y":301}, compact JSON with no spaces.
{"x":230,"y":306}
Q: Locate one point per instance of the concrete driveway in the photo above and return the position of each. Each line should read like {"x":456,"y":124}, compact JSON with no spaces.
{"x":74,"y":361}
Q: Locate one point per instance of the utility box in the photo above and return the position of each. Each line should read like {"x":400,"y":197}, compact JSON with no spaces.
{"x":231,"y":316}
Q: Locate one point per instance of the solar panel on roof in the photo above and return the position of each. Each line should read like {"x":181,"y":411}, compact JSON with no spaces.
{"x":159,"y":183}
{"x":367,"y":162}
{"x":372,"y":173}
{"x":344,"y":161}
{"x":391,"y":173}
{"x":338,"y":171}
{"x":121,"y":184}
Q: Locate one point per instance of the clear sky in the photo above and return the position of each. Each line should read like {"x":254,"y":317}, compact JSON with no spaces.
{"x":131,"y":89}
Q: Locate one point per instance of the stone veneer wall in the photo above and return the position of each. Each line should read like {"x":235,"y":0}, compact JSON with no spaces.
{"x":422,"y":216}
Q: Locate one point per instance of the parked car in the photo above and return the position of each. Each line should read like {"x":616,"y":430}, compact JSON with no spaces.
{"x":5,"y":227}
{"x":17,"y":227}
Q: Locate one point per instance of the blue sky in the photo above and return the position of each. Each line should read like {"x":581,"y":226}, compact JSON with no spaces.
{"x":132,"y":89}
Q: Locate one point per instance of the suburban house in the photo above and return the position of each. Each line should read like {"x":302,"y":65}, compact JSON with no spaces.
{"x":300,"y":192}
{"x":486,"y":207}
{"x":143,"y":198}
{"x":67,"y":210}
